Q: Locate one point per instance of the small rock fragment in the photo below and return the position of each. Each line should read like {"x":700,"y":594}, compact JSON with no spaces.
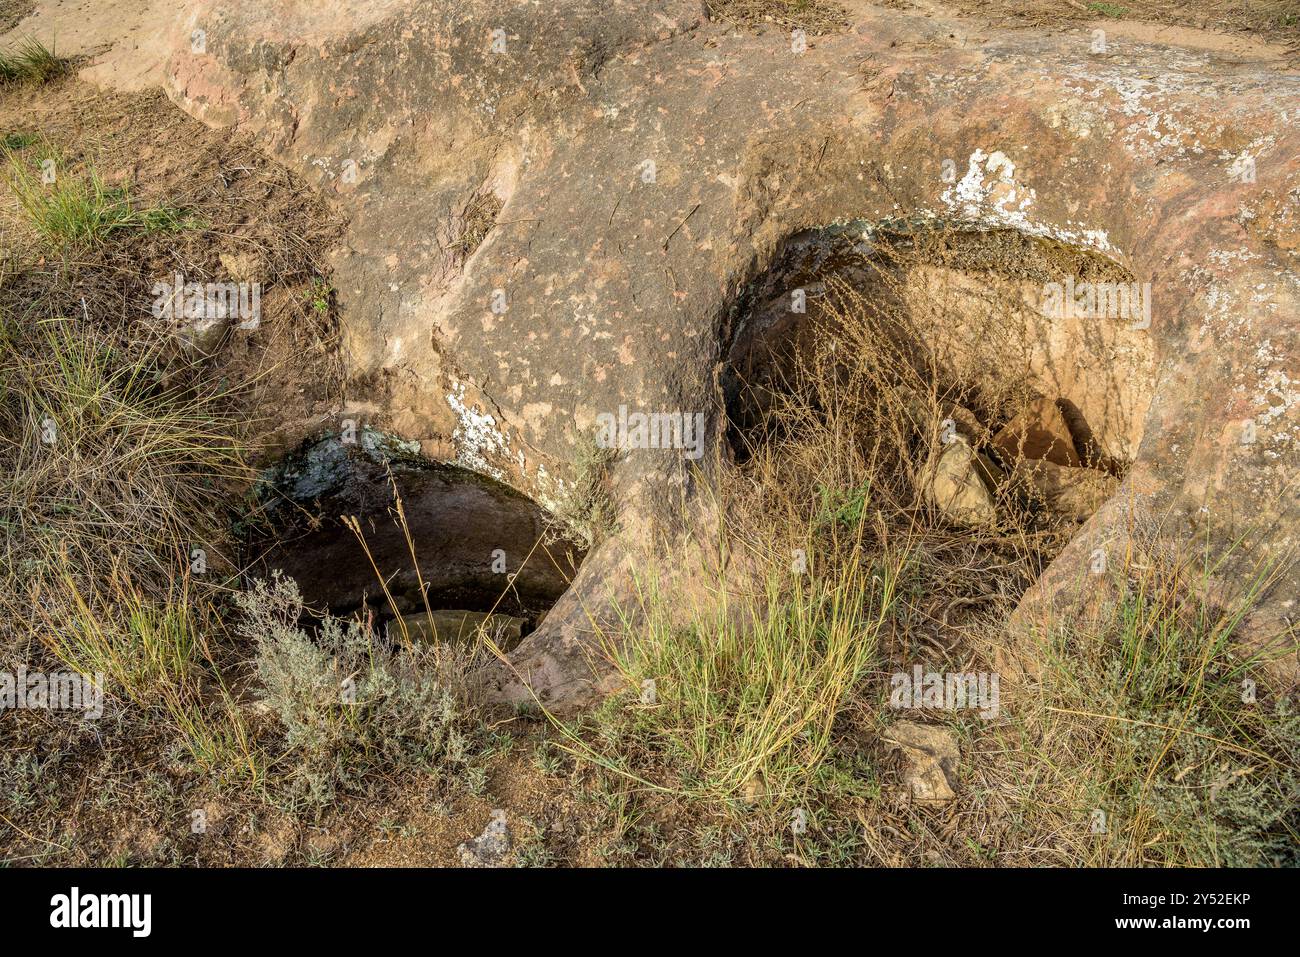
{"x":961,"y":483}
{"x":931,"y":754}
{"x":202,"y":338}
{"x":488,"y":848}
{"x":241,"y":267}
{"x":1039,"y":432}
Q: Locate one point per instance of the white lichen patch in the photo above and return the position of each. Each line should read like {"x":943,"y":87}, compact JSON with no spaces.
{"x":550,"y":490}
{"x":989,"y":194}
{"x":1275,"y":391}
{"x":476,"y":436}
{"x":1221,"y":313}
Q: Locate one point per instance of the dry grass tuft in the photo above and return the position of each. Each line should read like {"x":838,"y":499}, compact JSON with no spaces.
{"x":108,"y":456}
{"x":29,"y":61}
{"x":479,"y":218}
{"x":814,"y":16}
{"x":1154,"y":738}
{"x":123,"y":461}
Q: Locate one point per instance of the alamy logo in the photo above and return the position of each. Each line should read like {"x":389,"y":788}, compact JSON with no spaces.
{"x":208,"y":300}
{"x":60,"y":691}
{"x":1098,"y":300}
{"x":651,"y":430}
{"x":103,"y":910}
{"x":951,"y":691}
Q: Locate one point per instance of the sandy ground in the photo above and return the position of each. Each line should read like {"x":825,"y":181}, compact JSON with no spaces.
{"x":125,"y":42}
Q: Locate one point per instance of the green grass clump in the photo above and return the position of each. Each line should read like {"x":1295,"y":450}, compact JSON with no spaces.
{"x":29,"y":61}
{"x":18,"y":140}
{"x":78,"y":212}
{"x":1109,"y":9}
{"x":140,"y":647}
{"x":155,"y":656}
{"x":746,"y":692}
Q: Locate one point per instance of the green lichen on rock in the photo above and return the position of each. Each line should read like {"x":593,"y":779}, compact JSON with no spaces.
{"x":324,"y":465}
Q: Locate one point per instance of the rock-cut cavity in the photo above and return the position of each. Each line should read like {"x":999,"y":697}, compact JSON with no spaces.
{"x":469,"y":544}
{"x":1030,"y":397}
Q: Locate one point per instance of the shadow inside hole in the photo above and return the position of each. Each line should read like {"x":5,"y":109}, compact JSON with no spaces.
{"x":967,"y":306}
{"x":1040,"y":396}
{"x":479,"y":546}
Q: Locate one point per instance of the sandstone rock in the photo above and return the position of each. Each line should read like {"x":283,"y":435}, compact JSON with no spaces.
{"x":1039,"y":432}
{"x":962,"y":482}
{"x":1074,"y":493}
{"x":460,"y":626}
{"x":476,"y":539}
{"x":488,"y":849}
{"x":931,"y":756}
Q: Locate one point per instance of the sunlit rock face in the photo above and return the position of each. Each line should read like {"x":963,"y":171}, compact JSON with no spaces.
{"x":648,"y":165}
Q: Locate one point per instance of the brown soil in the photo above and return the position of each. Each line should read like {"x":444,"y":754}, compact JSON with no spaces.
{"x":412,"y":830}
{"x":13,"y":11}
{"x":252,"y":213}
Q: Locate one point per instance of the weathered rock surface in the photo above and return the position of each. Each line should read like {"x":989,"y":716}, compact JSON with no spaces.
{"x":454,"y":625}
{"x":930,"y":754}
{"x":649,"y":164}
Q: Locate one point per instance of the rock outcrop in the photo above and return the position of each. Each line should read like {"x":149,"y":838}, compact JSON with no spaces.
{"x":648,"y":163}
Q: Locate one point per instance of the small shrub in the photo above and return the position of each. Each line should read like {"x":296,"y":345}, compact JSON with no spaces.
{"x":319,"y":297}
{"x":348,"y":702}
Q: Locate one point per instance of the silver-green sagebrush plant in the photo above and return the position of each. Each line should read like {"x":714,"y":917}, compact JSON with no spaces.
{"x":348,"y":701}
